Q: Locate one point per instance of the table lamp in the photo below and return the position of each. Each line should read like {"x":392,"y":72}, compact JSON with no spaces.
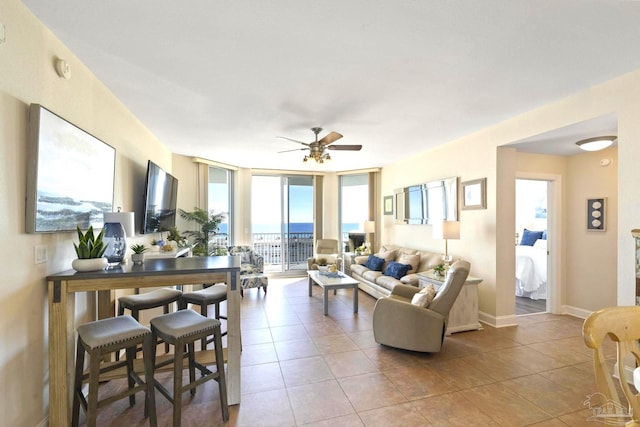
{"x":446,"y":230}
{"x":369,"y":228}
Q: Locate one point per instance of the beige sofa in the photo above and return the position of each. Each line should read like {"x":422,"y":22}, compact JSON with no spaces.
{"x":377,"y":284}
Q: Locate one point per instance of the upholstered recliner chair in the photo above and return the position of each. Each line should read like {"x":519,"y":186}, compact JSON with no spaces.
{"x":399,"y":323}
{"x":327,"y":249}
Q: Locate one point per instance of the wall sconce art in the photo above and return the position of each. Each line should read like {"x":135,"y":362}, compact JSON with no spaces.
{"x":596,"y":214}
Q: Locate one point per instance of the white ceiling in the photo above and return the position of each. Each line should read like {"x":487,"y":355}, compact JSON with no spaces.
{"x":221,"y":79}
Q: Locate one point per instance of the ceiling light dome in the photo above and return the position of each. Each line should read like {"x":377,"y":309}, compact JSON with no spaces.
{"x":597,"y":143}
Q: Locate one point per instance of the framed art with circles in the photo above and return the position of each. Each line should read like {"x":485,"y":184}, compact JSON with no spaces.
{"x":596,"y":214}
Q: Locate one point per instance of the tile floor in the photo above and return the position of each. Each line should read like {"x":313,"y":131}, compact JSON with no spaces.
{"x":300,"y":367}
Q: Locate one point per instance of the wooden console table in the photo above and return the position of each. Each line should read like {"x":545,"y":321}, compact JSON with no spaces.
{"x":153,"y":273}
{"x":463,"y":315}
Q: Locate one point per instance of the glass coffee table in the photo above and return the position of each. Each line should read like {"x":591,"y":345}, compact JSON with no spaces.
{"x":328,"y":281}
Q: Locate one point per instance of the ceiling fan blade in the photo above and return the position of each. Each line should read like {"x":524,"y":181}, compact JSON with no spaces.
{"x":295,"y":149}
{"x":293,"y":140}
{"x":345,"y":147}
{"x":330,"y":138}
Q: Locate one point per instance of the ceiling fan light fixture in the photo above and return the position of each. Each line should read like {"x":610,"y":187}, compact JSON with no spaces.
{"x":596,"y":143}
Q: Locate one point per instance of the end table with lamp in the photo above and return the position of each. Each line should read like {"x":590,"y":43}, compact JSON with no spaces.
{"x":464,"y":312}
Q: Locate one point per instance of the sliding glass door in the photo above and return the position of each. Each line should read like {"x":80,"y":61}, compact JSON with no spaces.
{"x":282,"y":221}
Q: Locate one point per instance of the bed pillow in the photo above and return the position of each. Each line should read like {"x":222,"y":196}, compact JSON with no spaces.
{"x":529,"y":237}
{"x":396,"y":270}
{"x":425,"y":296}
{"x":374,"y":263}
{"x":540,"y":244}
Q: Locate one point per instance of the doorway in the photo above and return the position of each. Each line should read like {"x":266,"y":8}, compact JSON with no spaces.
{"x":282,"y":221}
{"x":531,"y":238}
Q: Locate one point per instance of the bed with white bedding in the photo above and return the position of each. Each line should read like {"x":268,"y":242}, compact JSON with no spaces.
{"x":531,"y":270}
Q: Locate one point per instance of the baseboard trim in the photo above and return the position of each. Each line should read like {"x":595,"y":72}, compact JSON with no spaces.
{"x":497,"y":321}
{"x":575,"y":311}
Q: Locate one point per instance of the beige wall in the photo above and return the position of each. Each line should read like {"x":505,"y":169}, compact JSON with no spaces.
{"x":28,"y":76}
{"x":487,"y":235}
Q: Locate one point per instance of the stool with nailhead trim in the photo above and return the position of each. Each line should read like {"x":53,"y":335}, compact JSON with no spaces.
{"x":103,"y":337}
{"x":182,"y":328}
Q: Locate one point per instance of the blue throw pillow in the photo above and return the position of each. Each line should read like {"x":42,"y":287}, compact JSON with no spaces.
{"x":544,"y":235}
{"x":529,"y":237}
{"x":397,"y":270}
{"x":374,"y":263}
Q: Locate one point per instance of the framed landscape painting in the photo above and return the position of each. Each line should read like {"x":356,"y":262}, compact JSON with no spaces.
{"x":70,"y":176}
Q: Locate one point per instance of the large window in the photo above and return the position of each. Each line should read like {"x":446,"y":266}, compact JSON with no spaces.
{"x":354,"y":209}
{"x":220,"y":200}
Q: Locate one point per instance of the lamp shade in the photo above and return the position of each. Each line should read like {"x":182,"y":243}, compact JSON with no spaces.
{"x":127,"y":219}
{"x":369,"y":226}
{"x":446,"y":230}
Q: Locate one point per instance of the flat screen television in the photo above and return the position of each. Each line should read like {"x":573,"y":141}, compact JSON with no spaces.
{"x":70,"y":175}
{"x":160,"y":200}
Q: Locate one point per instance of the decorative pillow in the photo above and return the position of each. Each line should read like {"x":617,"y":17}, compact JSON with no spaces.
{"x":410,"y":279}
{"x":374,"y":263}
{"x":544,"y":235}
{"x":388,"y":256}
{"x":396,"y":270}
{"x":529,"y":237}
{"x":425,"y":296}
{"x":412,"y":260}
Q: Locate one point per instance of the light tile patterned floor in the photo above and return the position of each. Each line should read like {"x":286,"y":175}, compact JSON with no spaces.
{"x":300,"y":367}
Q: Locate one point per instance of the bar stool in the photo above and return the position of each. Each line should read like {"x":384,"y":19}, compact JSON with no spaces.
{"x":147,"y":300}
{"x":103,"y":337}
{"x":205,"y":297}
{"x":181,"y":328}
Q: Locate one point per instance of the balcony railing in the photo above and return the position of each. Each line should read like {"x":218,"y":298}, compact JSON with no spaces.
{"x":296,"y":249}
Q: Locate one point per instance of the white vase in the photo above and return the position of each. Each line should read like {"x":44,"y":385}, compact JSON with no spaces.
{"x":137,"y":258}
{"x":89,"y":264}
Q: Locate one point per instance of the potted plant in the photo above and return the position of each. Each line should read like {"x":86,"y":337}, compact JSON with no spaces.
{"x":174,"y":235}
{"x":138,"y":253}
{"x":439,"y":270}
{"x":322,"y":264}
{"x":209,"y":225}
{"x":89,"y":249}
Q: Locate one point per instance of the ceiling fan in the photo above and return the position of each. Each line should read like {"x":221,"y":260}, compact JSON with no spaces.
{"x":317,"y":148}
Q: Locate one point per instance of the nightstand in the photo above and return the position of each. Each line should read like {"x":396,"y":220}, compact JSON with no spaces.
{"x":464,"y":312}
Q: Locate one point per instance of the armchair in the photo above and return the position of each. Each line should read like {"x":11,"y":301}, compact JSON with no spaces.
{"x":325,"y":248}
{"x":251,"y":268}
{"x":399,"y":323}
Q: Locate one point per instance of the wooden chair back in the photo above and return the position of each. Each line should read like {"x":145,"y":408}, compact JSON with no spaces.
{"x":621,"y":325}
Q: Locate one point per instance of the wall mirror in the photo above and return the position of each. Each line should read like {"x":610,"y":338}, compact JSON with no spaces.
{"x":427,"y":203}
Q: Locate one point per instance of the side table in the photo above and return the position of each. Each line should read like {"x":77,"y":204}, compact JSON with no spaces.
{"x":464,"y":312}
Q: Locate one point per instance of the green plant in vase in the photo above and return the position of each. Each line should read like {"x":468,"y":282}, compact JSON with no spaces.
{"x":209,"y":226}
{"x":138,"y":253}
{"x":439,"y":269}
{"x":89,"y":249}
